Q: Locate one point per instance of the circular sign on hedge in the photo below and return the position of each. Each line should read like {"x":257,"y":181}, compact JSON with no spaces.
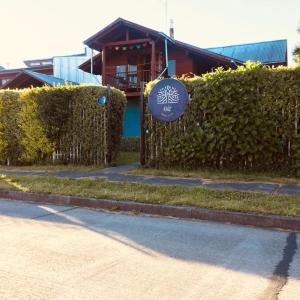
{"x":168,"y":100}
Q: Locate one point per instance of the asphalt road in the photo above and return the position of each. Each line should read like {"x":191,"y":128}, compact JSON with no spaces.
{"x":56,"y":252}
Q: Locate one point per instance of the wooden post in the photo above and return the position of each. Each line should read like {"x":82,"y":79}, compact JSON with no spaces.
{"x":153,"y":63}
{"x":108,"y":127}
{"x":142,"y":127}
{"x":103,"y":65}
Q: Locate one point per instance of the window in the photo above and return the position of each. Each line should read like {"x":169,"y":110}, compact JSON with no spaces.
{"x":47,"y":63}
{"x":120,"y":75}
{"x":4,"y":81}
{"x":132,"y":75}
{"x":35,"y":64}
{"x":172,"y":68}
{"x":121,"y":71}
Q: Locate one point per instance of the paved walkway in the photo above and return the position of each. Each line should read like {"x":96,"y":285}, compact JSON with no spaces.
{"x":61,"y":252}
{"x":119,"y":174}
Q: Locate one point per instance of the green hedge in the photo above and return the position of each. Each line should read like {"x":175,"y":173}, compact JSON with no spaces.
{"x":9,"y":130}
{"x":62,"y":123}
{"x":237,"y":119}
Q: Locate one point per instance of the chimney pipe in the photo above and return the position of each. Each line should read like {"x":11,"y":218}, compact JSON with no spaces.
{"x":172,"y":28}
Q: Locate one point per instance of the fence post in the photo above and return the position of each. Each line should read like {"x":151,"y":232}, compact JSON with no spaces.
{"x":108,"y":127}
{"x":142,"y":127}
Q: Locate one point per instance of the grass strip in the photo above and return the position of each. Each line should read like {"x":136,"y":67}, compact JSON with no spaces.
{"x":124,"y":158}
{"x":218,"y":175}
{"x":175,"y":195}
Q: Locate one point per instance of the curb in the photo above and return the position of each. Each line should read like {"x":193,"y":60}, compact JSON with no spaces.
{"x":187,"y":212}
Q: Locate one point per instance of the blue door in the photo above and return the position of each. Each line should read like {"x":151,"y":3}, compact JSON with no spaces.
{"x":131,"y":120}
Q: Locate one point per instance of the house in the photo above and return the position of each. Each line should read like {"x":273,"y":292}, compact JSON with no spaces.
{"x":66,"y":68}
{"x":51,"y":71}
{"x":27,"y":78}
{"x":131,"y":54}
{"x":7,"y":75}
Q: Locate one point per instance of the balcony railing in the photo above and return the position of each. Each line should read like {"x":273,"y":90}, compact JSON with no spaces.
{"x":129,"y":80}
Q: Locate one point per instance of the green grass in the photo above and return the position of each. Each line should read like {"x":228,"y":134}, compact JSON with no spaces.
{"x":175,"y":195}
{"x":219,"y":175}
{"x":52,"y":168}
{"x":123,"y":159}
{"x":126,"y":158}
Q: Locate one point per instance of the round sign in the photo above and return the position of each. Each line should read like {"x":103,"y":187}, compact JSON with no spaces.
{"x":168,"y":100}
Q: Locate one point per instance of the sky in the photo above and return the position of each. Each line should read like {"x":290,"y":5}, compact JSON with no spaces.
{"x":32,"y":29}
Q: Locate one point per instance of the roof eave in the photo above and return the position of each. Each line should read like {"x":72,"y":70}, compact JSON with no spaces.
{"x":92,"y":40}
{"x":7,"y":84}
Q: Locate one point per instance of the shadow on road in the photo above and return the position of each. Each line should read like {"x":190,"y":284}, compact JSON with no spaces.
{"x":240,"y":248}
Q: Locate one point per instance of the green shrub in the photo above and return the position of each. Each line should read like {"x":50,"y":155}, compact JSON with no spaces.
{"x":9,"y":131}
{"x":237,"y":119}
{"x":66,"y":124}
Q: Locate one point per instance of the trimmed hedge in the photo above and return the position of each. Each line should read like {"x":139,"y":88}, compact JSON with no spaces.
{"x":63,"y":124}
{"x":237,"y":119}
{"x":9,"y":130}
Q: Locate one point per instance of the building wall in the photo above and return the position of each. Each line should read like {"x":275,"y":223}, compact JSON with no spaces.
{"x":184,"y":63}
{"x":66,"y":67}
{"x":131,"y":124}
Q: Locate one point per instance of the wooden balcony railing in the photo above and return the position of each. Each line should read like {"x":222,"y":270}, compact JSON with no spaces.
{"x":129,"y":80}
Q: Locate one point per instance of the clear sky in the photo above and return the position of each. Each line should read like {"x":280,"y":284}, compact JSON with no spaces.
{"x":42,"y":28}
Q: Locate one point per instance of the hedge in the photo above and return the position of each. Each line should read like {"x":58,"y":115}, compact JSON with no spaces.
{"x":9,"y":131}
{"x":63,"y":123}
{"x":246,"y":118}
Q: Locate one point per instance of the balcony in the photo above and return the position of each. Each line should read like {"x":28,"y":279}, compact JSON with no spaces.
{"x":128,"y":80}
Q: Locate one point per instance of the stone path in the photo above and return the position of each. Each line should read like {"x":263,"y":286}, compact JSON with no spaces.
{"x":118,"y":174}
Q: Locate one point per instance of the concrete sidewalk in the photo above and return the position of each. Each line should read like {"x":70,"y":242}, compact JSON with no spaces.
{"x":118,"y":174}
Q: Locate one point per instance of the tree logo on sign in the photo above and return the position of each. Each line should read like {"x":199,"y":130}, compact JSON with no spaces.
{"x":167,"y":95}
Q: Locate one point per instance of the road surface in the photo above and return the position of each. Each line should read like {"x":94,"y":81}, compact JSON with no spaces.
{"x":57,"y":252}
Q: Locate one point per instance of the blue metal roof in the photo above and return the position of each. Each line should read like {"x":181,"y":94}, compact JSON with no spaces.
{"x":265,"y":52}
{"x":49,"y":79}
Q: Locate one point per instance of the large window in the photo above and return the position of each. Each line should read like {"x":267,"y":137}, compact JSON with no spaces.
{"x":127,"y":74}
{"x":121,"y":76}
{"x":132,"y":75}
{"x":121,"y":71}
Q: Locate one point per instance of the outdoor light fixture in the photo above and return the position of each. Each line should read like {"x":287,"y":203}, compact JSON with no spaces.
{"x":117,"y":48}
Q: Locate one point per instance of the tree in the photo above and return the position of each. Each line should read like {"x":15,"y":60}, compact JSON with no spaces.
{"x":296,"y":51}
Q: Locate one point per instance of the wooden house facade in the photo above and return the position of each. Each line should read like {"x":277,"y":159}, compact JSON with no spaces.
{"x":130,"y":54}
